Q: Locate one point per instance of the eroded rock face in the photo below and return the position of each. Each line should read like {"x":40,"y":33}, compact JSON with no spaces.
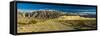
{"x":45,"y":14}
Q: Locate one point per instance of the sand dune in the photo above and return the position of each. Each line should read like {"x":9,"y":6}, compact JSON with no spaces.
{"x":52,"y":21}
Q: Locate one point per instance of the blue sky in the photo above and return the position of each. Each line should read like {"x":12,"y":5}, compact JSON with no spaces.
{"x":27,"y":6}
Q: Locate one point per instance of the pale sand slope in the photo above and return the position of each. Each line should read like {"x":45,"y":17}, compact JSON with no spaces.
{"x":48,"y":25}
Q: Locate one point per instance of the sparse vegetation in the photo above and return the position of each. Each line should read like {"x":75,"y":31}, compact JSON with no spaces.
{"x":33,"y":22}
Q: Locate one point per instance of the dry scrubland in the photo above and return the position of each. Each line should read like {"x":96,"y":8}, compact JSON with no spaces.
{"x":30,"y":24}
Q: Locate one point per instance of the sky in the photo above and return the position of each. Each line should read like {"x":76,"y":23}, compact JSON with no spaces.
{"x":67,"y":8}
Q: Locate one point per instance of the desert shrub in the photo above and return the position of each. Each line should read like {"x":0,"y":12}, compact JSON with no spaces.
{"x":61,"y":20}
{"x":21,"y":23}
{"x":33,"y":21}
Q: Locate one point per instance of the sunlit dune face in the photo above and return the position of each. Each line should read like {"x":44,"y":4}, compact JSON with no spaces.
{"x":73,"y":18}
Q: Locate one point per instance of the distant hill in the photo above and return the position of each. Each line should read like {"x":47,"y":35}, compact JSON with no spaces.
{"x":87,"y":15}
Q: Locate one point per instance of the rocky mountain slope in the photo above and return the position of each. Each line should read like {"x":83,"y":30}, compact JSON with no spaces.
{"x":43,"y":14}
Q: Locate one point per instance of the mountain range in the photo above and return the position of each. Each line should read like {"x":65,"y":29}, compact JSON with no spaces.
{"x":43,"y":14}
